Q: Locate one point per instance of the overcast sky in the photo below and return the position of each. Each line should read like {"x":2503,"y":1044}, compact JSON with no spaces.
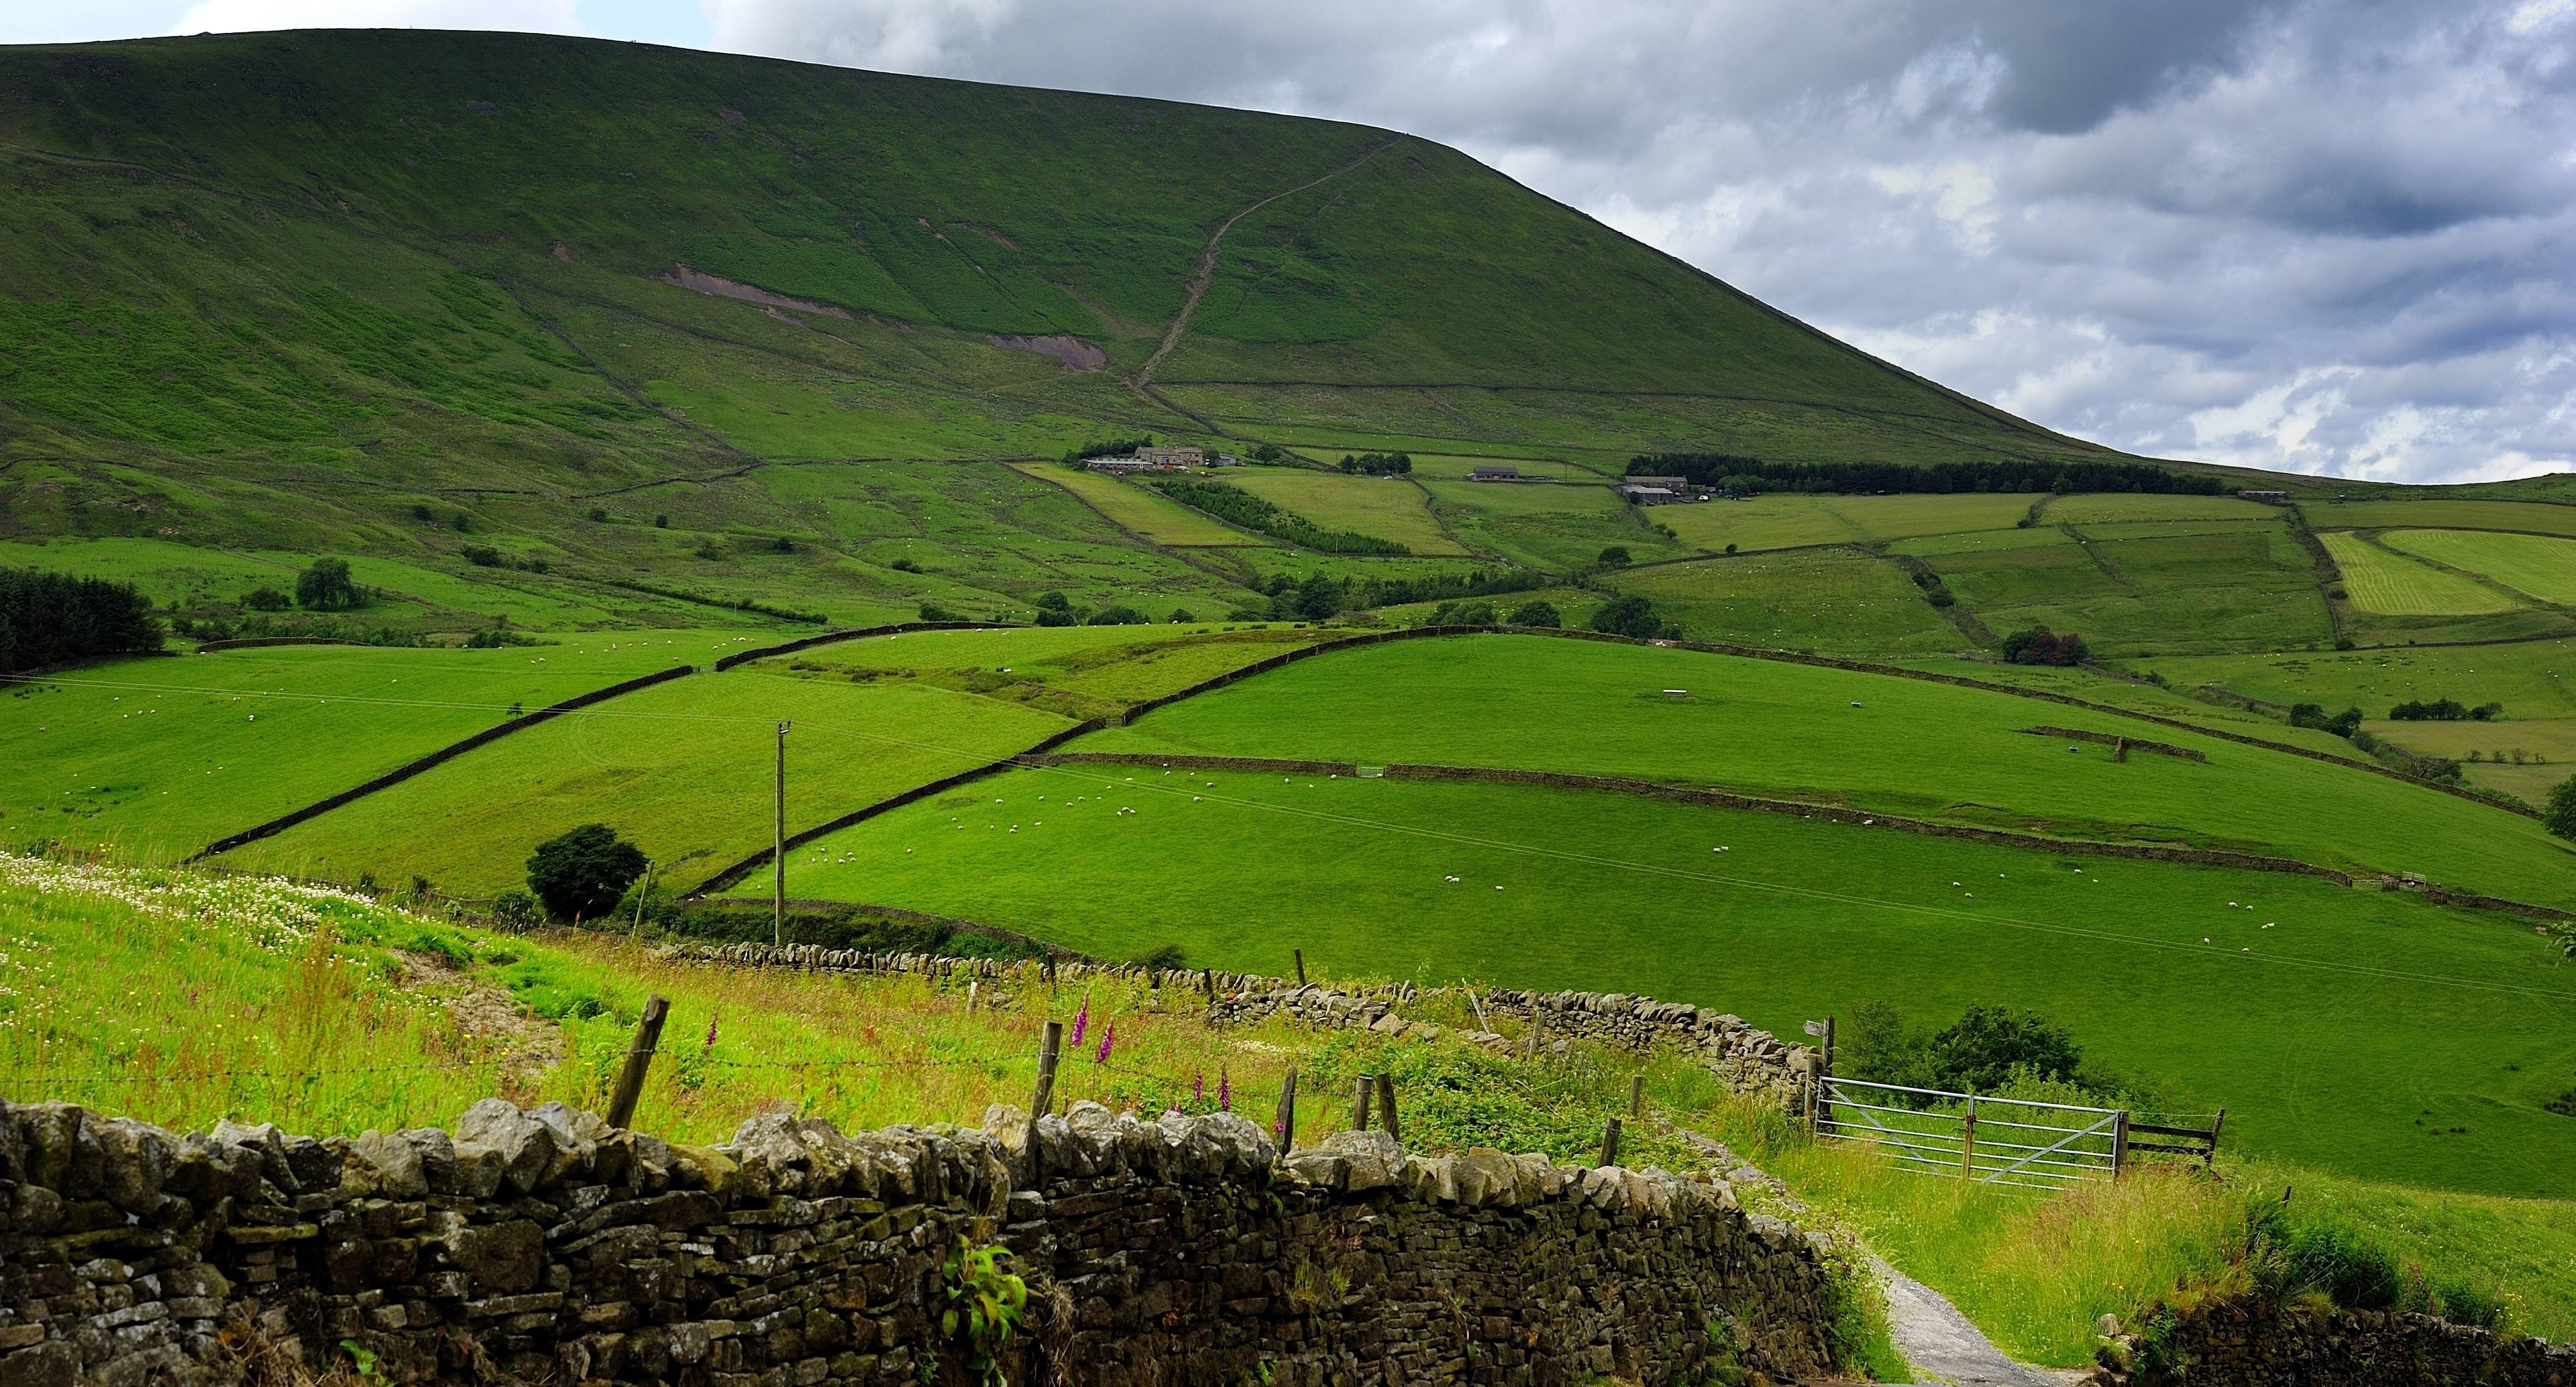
{"x":2334,"y":237}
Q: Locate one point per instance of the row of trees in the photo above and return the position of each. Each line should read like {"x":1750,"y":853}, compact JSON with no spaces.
{"x":2443,"y":710}
{"x":52,"y":618}
{"x":1378,"y":464}
{"x":1739,"y":475}
{"x":1240,"y":507}
{"x":1055,"y":609}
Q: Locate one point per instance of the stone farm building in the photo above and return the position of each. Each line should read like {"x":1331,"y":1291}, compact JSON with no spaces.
{"x":1657,"y":491}
{"x":1494,"y":474}
{"x":1150,"y":460}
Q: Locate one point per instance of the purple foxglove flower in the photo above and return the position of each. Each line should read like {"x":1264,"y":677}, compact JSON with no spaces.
{"x":1108,"y":1037}
{"x":1198,"y":1087}
{"x":1224,"y":1091}
{"x":1082,"y":1021}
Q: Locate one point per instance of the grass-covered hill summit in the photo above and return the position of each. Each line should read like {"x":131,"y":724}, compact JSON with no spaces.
{"x":349,"y":267}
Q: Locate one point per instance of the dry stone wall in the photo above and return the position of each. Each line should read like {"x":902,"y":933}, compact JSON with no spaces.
{"x":542,"y":1246}
{"x":1751,"y":1060}
{"x":2245,"y":1343}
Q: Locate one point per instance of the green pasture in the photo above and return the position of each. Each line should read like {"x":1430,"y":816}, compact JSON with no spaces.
{"x":160,"y":757}
{"x":1557,"y":527}
{"x":2137,"y":695}
{"x":2526,"y":757}
{"x":1078,"y":672}
{"x":2254,"y":590}
{"x":682,"y":769}
{"x":2531,"y":517}
{"x":2541,"y":566}
{"x":2121,"y":506}
{"x":168,"y":572}
{"x":1762,"y":522}
{"x":1840,"y":600}
{"x":1391,"y":508}
{"x":2532,"y":679}
{"x":2326,"y":1036}
{"x":1903,"y":517}
{"x":1975,"y":542}
{"x":1910,"y":747}
{"x":1148,"y":514}
{"x":2394,"y":585}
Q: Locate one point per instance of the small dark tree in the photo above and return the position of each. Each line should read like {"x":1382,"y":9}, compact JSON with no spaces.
{"x":266,"y":599}
{"x":326,"y":586}
{"x":1539,"y":613}
{"x":580,"y":875}
{"x":1616,"y":556}
{"x":1120,"y":616}
{"x":2560,"y":816}
{"x":1629,"y":615}
{"x":1055,"y":610}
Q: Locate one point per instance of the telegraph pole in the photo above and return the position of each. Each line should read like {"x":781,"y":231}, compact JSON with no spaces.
{"x":778,"y":845}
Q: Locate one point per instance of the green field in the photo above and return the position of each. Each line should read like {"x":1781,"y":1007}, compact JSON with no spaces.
{"x":2098,"y":510}
{"x":1147,"y":514}
{"x":1381,"y":507}
{"x":161,"y":757}
{"x":2394,"y":585}
{"x":1559,"y":528}
{"x":2539,"y":566}
{"x":1770,"y":727}
{"x":2242,"y":589}
{"x":684,"y":769}
{"x":2524,"y":757}
{"x":1839,"y":600}
{"x":2530,"y":678}
{"x":2444,"y":515}
{"x":2448,"y":1011}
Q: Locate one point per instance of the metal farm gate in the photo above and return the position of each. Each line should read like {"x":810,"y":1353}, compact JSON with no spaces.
{"x":1995,"y":1141}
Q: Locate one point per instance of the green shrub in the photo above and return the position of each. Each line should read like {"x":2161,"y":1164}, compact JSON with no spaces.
{"x":267,"y":599}
{"x":1630,"y":615}
{"x":581,"y":874}
{"x":1539,"y":613}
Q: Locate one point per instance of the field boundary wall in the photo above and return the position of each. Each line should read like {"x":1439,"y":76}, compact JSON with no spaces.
{"x":901,"y":628}
{"x":2245,"y":1342}
{"x":544,"y":1246}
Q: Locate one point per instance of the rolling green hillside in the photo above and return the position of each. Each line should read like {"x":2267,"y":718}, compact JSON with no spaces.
{"x":369,"y":292}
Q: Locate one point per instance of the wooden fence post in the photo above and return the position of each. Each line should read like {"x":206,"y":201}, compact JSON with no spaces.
{"x":1286,"y":1125}
{"x":1386,"y":1105}
{"x":1610,"y":1143}
{"x":1636,"y":1096}
{"x":1050,"y":1044}
{"x":1360,"y":1104}
{"x":1301,"y":966}
{"x":1968,"y":1143}
{"x":2119,"y":1142}
{"x":641,"y":892}
{"x":1207,"y":982}
{"x":2214,"y":1125}
{"x":639,"y":1056}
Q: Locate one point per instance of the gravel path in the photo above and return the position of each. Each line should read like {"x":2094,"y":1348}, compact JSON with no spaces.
{"x":1943,"y":1346}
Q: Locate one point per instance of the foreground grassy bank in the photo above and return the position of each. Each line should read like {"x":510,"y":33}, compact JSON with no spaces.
{"x":339,"y":1012}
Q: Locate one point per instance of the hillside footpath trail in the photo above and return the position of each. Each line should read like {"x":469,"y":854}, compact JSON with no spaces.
{"x":1943,"y":1346}
{"x":1143,"y":380}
